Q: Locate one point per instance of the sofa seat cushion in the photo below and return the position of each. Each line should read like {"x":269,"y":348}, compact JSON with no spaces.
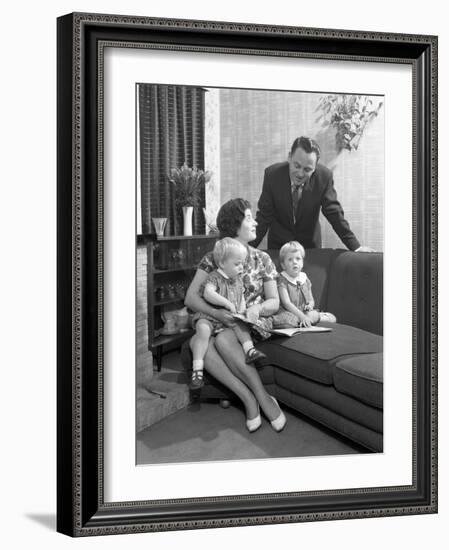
{"x":361,"y":377}
{"x":313,"y":355}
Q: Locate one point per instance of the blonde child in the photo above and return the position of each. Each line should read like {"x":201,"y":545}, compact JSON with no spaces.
{"x":223,"y":288}
{"x":295,"y":291}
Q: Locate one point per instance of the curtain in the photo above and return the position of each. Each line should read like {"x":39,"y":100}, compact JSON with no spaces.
{"x":171,"y":132}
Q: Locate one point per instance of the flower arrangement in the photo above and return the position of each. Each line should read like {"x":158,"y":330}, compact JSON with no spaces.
{"x":349,"y":115}
{"x":188,"y":183}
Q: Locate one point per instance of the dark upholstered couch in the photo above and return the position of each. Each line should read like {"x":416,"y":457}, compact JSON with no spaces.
{"x":335,"y":377}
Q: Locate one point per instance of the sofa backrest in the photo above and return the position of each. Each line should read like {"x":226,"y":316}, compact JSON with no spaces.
{"x":347,"y":284}
{"x":317,"y":265}
{"x":355,"y":290}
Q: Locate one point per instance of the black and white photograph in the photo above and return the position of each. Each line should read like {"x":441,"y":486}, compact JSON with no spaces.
{"x":259,"y":273}
{"x":223,"y":299}
{"x":246,"y":274}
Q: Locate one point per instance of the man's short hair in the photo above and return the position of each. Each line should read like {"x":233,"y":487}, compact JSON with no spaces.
{"x":224,"y":248}
{"x":230,"y":217}
{"x":308,"y":145}
{"x":287,"y":248}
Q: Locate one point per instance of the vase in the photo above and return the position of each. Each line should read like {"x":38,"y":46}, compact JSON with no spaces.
{"x":187,"y":212}
{"x":159,"y":225}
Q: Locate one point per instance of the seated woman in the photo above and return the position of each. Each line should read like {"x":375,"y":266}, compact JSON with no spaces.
{"x":224,"y":358}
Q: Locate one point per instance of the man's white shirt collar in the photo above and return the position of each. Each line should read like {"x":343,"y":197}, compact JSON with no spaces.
{"x":293,"y":184}
{"x":301,"y":278}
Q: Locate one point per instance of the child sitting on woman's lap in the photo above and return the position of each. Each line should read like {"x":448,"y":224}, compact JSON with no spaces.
{"x":223,"y":288}
{"x":295,"y":291}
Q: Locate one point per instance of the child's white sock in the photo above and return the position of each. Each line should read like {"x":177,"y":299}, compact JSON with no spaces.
{"x":197,"y":364}
{"x":247,"y":346}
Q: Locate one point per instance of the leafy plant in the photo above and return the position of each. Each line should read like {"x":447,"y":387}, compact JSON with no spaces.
{"x":188,"y":183}
{"x":349,"y":115}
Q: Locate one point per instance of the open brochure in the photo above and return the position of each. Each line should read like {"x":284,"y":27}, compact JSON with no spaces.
{"x":290,"y":331}
{"x":296,"y":330}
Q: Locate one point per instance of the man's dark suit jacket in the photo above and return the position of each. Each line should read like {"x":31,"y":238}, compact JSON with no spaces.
{"x":275,"y":209}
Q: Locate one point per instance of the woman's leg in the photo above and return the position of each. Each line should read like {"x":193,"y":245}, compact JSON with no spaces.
{"x":227,"y":346}
{"x":215,"y":365}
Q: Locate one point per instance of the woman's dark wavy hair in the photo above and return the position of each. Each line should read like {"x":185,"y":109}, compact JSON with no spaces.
{"x":230,"y":217}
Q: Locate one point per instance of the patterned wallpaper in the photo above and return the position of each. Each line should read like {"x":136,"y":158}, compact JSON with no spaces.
{"x":212,"y":151}
{"x":247,"y":130}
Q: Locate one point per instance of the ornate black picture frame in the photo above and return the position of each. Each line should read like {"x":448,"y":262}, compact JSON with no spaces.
{"x":81,"y":508}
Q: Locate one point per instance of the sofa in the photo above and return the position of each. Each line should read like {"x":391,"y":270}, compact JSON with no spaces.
{"x":335,"y":378}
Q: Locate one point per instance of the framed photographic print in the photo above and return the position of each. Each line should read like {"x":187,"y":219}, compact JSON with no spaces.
{"x":316,"y":149}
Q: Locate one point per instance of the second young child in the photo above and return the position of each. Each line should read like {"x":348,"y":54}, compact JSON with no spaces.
{"x":223,"y":288}
{"x":295,"y":291}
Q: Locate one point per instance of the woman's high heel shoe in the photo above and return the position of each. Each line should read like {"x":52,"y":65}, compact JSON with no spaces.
{"x":279,"y":422}
{"x":254,"y":424}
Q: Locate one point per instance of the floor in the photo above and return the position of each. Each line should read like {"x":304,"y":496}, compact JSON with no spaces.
{"x":164,"y":394}
{"x":178,"y":430}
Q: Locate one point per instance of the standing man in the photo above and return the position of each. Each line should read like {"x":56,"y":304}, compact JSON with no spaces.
{"x":293,"y":193}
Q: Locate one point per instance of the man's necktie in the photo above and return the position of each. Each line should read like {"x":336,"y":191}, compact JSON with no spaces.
{"x":296,"y":196}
